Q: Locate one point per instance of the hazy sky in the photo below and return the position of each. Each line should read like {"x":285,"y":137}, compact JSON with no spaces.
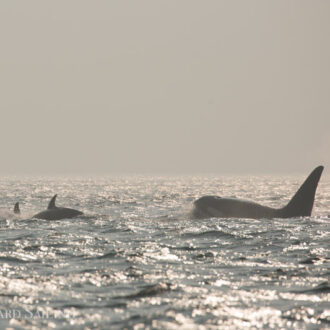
{"x":164,"y":86}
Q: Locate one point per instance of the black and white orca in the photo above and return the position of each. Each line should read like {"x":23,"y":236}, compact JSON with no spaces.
{"x":300,"y":205}
{"x":57,"y":213}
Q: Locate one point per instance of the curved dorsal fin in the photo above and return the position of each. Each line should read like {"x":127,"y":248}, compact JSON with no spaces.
{"x":302,"y":202}
{"x":16,"y":208}
{"x":51,"y":204}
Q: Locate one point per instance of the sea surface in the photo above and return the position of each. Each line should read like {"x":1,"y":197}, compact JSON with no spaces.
{"x":137,"y":259}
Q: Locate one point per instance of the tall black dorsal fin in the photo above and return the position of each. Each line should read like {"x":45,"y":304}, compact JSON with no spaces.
{"x":301,"y":204}
{"x":16,"y":208}
{"x":51,"y":204}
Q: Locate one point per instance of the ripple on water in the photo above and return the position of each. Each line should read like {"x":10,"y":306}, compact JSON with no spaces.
{"x":138,"y":260}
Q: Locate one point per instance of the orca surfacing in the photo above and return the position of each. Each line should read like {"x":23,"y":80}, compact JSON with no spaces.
{"x":57,"y":213}
{"x":17,"y":209}
{"x":300,"y":205}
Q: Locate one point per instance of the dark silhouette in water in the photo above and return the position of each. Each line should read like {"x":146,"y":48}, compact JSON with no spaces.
{"x":300,"y":205}
{"x":16,"y":208}
{"x":57,"y":213}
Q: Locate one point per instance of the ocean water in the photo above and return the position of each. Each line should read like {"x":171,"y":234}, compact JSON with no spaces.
{"x":137,"y":260}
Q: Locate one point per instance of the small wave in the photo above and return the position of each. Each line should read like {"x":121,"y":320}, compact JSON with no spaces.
{"x":115,"y":305}
{"x":116,"y":230}
{"x":203,"y":256}
{"x":32,"y":248}
{"x":313,"y":260}
{"x":324,"y":287}
{"x":108,"y":255}
{"x":150,"y":291}
{"x":209,"y":234}
{"x":185,"y":248}
{"x":14,"y":260}
{"x":19,"y":236}
{"x":134,"y":272}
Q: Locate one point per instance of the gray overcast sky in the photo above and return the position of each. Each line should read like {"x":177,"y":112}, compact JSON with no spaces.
{"x":164,"y":86}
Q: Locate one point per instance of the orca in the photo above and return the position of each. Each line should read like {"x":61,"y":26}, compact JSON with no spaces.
{"x":300,"y":205}
{"x":5,"y":213}
{"x":57,"y":213}
{"x":17,"y":209}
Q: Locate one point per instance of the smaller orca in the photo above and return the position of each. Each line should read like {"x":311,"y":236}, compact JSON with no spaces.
{"x":300,"y":205}
{"x":57,"y":213}
{"x":16,"y":208}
